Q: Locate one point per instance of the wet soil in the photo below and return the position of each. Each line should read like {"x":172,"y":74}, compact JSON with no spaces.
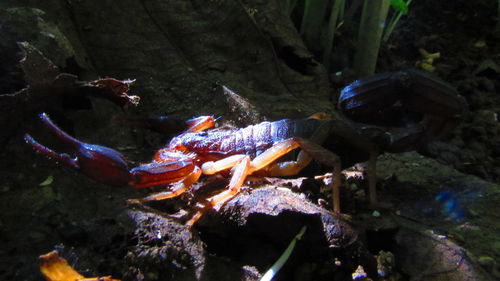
{"x":442,"y":224}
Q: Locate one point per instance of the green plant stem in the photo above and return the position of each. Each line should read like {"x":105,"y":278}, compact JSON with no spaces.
{"x":351,"y":11}
{"x":310,"y":28}
{"x":290,"y":5}
{"x":341,"y":12}
{"x":269,"y":275}
{"x":332,"y":26}
{"x":370,"y":35}
{"x":392,"y":23}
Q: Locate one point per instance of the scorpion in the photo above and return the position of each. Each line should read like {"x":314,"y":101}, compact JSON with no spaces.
{"x":424,"y":106}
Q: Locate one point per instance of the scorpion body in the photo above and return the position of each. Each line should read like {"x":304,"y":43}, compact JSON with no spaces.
{"x":427,"y":107}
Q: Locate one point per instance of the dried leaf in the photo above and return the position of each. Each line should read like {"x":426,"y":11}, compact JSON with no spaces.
{"x":38,"y":70}
{"x":114,"y":90}
{"x":55,"y":268}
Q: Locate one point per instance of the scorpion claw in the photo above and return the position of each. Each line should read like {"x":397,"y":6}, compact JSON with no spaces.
{"x":99,"y":163}
{"x":58,"y":157}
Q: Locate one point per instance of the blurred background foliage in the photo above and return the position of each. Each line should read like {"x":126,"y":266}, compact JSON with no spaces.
{"x":365,"y":24}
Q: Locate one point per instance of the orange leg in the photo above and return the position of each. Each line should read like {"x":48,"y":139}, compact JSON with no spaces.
{"x":319,"y":116}
{"x":200,"y":123}
{"x":241,"y":170}
{"x":210,"y":168}
{"x":289,"y":168}
{"x":372,"y":178}
{"x":312,"y":150}
{"x":244,"y":167}
{"x":371,"y":171}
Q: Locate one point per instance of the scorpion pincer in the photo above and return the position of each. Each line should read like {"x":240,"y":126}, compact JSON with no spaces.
{"x":258,"y":148}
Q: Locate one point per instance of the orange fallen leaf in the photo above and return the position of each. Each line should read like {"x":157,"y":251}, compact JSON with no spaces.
{"x":55,"y":268}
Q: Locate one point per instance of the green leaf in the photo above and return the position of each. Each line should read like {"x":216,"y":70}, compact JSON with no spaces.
{"x":400,"y":6}
{"x":47,"y":181}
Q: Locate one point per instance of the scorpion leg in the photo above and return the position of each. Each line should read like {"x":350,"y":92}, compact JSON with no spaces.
{"x":289,"y":168}
{"x":240,"y":172}
{"x":210,"y":167}
{"x":371,"y":171}
{"x":305,"y":157}
{"x":199,"y":124}
{"x":372,"y":177}
{"x":312,"y":150}
{"x":244,"y":167}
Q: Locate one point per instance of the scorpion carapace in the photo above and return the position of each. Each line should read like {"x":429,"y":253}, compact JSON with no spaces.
{"x":251,"y":140}
{"x":196,"y":152}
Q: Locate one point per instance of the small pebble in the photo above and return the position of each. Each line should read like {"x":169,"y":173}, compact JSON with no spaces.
{"x":359,"y":273}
